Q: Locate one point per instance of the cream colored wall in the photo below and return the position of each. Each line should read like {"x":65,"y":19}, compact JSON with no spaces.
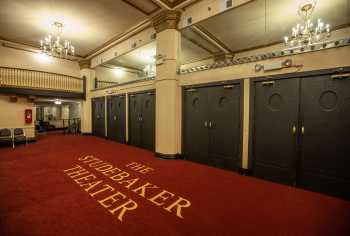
{"x":326,"y":59}
{"x":107,"y":74}
{"x":12,"y":114}
{"x":10,"y":57}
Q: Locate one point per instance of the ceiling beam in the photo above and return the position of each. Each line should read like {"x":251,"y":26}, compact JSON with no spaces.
{"x":211,"y":39}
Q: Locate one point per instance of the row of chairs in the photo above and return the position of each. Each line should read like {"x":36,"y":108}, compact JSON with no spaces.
{"x":13,"y":136}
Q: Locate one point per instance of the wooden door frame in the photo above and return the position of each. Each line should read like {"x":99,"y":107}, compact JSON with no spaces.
{"x":294,"y":75}
{"x":213,"y":84}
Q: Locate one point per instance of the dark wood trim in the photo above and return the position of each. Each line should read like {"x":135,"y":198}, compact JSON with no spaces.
{"x":168,"y":156}
{"x":210,"y":84}
{"x":297,"y":75}
{"x":41,"y":93}
{"x":40,"y":71}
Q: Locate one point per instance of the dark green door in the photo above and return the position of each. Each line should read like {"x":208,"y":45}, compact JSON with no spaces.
{"x":98,"y":116}
{"x":116,"y":118}
{"x":325,"y":140}
{"x":275,"y":130}
{"x":196,"y":124}
{"x":148,"y":121}
{"x":135,"y":126}
{"x":224,"y":104}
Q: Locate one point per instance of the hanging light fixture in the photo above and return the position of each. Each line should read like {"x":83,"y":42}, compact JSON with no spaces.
{"x":307,"y":33}
{"x":52,"y":44}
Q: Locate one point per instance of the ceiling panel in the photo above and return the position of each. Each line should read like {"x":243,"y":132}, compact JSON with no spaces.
{"x":146,"y":6}
{"x":137,"y":58}
{"x":263,"y":22}
{"x":88,"y":24}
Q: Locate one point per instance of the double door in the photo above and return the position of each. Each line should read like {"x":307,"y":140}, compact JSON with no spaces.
{"x":212,"y":125}
{"x":98,"y":116}
{"x":116,"y":118}
{"x":142,"y":120}
{"x":301,"y":133}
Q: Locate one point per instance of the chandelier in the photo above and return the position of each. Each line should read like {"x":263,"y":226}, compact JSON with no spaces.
{"x":53,"y":45}
{"x":307,"y":33}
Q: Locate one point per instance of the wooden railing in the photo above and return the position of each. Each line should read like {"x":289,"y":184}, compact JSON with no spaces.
{"x":30,"y":79}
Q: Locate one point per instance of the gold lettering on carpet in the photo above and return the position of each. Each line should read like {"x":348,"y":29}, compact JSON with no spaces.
{"x":114,"y":200}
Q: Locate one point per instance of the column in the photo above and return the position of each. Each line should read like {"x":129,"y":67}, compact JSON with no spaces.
{"x":168,"y":92}
{"x":89,"y":75}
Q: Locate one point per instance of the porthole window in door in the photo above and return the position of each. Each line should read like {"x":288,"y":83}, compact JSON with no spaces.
{"x":223,"y":101}
{"x":195,"y":103}
{"x":328,"y":100}
{"x":275,"y":102}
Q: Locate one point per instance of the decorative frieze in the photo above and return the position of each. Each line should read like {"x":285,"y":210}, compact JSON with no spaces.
{"x":84,"y":64}
{"x":168,"y":19}
{"x":269,"y":55}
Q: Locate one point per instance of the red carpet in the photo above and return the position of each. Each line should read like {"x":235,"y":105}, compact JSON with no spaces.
{"x":41,"y":196}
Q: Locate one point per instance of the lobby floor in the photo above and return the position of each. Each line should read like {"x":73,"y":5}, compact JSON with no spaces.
{"x":83,"y":185}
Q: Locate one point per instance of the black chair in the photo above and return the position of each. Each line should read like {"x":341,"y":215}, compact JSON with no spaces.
{"x":6,"y":136}
{"x":19,"y":136}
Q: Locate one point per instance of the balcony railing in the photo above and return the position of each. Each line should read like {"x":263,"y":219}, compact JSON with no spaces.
{"x":39,"y":80}
{"x":99,"y":84}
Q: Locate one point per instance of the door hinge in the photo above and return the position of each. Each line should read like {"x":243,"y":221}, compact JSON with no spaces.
{"x":341,"y":76}
{"x":228,"y":86}
{"x":268,"y":83}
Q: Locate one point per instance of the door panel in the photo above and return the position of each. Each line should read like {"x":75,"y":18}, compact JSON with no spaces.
{"x":325,"y":149}
{"x":148,"y":120}
{"x":274,"y":144}
{"x":98,"y":116}
{"x":224,"y":128}
{"x":116,"y":118}
{"x":112,"y":118}
{"x":135,"y":106}
{"x":121,"y":118}
{"x":195,"y":132}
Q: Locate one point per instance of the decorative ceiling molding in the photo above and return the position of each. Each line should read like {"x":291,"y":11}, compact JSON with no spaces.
{"x":29,"y":48}
{"x":167,"y":19}
{"x":172,"y":3}
{"x":84,"y":64}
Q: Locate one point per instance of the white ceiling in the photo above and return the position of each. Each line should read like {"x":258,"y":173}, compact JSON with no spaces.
{"x":88,"y":24}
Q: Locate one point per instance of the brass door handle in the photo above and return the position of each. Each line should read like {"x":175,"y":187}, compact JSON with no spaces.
{"x":294,"y":130}
{"x":302,"y":130}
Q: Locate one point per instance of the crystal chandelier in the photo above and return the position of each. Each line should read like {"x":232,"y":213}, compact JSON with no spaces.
{"x":52,"y":44}
{"x":307,"y":33}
